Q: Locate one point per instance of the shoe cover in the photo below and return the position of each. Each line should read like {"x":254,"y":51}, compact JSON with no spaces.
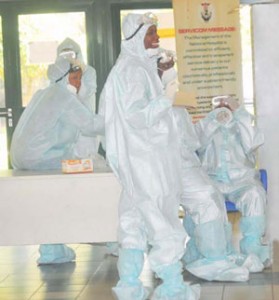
{"x":173,"y":286}
{"x":130,"y":264}
{"x":183,"y":292}
{"x":253,"y":263}
{"x":253,"y":228}
{"x":211,"y":239}
{"x":192,"y":252}
{"x":112,"y":248}
{"x":125,"y":292}
{"x":219,"y":270}
{"x":55,"y":254}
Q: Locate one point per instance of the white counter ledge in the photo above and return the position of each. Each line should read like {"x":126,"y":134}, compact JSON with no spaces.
{"x":51,"y":207}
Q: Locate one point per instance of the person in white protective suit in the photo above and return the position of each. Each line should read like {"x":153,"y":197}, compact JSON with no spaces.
{"x":205,"y":214}
{"x":229,"y":141}
{"x":48,"y":130}
{"x":86,"y":147}
{"x":142,"y":149}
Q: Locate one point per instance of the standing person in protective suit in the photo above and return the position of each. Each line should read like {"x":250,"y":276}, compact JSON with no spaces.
{"x":142,"y":149}
{"x":86,"y":146}
{"x":205,"y":213}
{"x":48,"y":130}
{"x":229,"y":141}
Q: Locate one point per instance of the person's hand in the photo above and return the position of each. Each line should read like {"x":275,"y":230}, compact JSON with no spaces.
{"x":229,"y":103}
{"x":171,"y":90}
{"x":165,"y":65}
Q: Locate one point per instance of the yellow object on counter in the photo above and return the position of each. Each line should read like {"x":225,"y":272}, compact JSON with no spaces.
{"x":71,"y":166}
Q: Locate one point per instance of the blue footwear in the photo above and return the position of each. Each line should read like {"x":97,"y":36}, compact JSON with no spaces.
{"x":211,"y":241}
{"x":55,"y":254}
{"x":253,"y":229}
{"x":173,"y":286}
{"x":130,"y":265}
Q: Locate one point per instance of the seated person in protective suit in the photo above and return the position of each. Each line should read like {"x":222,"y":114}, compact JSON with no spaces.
{"x":48,"y":130}
{"x":208,"y":252}
{"x":229,"y":141}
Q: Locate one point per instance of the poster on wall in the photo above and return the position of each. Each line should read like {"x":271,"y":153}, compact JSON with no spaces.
{"x":208,"y":50}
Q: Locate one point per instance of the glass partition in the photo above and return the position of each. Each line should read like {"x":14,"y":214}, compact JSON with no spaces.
{"x":39,"y":35}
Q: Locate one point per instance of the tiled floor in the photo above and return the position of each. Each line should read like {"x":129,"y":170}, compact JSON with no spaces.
{"x":94,"y":273}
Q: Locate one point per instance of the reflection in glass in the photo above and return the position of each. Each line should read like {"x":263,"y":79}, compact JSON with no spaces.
{"x":40,"y":34}
{"x":3,"y":145}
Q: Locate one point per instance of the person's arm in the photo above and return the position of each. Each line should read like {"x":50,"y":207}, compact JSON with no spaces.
{"x":206,"y":129}
{"x":88,"y":88}
{"x":142,"y":109}
{"x":77,"y":115}
{"x":187,"y":133}
{"x":251,"y":136}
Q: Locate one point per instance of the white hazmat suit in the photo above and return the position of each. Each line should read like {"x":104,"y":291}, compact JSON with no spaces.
{"x":47,"y":133}
{"x":86,"y":147}
{"x":205,"y":213}
{"x":142,"y":149}
{"x":228,"y":145}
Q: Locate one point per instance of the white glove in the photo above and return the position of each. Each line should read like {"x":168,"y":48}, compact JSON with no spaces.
{"x":225,"y":101}
{"x":168,"y":76}
{"x":171,"y":89}
{"x":223,"y":115}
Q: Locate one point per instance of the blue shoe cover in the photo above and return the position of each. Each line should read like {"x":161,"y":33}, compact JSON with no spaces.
{"x":112,"y":248}
{"x":55,"y":254}
{"x":251,"y":261}
{"x":249,"y":245}
{"x":127,"y":292}
{"x":191,"y":253}
{"x":181,"y":292}
{"x":130,"y":265}
{"x":173,"y":286}
{"x":253,"y":229}
{"x":218,"y":270}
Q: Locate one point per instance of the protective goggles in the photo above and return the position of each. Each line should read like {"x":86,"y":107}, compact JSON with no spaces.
{"x":68,"y":54}
{"x":147,"y":18}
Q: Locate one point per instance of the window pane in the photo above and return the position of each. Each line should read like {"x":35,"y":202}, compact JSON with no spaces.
{"x":247,"y":62}
{"x":39,"y":35}
{"x":3,"y":145}
{"x":2,"y":91}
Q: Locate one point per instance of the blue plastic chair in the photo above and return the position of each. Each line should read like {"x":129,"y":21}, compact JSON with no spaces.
{"x":263,"y":176}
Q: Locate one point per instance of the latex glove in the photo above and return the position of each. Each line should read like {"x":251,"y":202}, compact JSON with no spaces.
{"x":223,"y":115}
{"x":171,"y":89}
{"x":168,"y":76}
{"x":225,"y":101}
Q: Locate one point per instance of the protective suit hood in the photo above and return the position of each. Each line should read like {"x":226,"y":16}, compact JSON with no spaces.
{"x":70,"y":44}
{"x":58,"y":70}
{"x":135,"y":45}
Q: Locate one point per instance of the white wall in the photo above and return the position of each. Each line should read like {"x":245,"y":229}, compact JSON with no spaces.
{"x":266,"y":56}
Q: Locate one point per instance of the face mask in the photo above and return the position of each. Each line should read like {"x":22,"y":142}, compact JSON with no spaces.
{"x":168,"y":76}
{"x":152,"y":51}
{"x":72,"y":89}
